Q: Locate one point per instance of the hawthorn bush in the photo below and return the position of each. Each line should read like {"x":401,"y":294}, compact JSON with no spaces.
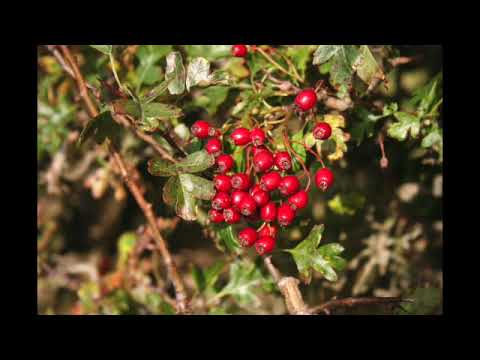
{"x":244,"y":179}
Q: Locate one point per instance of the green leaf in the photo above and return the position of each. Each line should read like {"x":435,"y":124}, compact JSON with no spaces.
{"x":406,"y":124}
{"x":347,"y":204}
{"x":126,"y":244}
{"x":199,"y":187}
{"x":229,"y":237}
{"x":426,"y":301}
{"x":325,"y":259}
{"x":342,"y":68}
{"x":300,"y":55}
{"x":155,"y":92}
{"x":160,"y":167}
{"x":428,"y":96}
{"x":209,"y":52}
{"x":175,"y":73}
{"x":198,"y":71}
{"x":182,"y":201}
{"x":195,"y":162}
{"x":100,"y":128}
{"x":211,"y":98}
{"x":205,"y":279}
{"x":366,"y":65}
{"x":434,"y":137}
{"x":325,"y":53}
{"x":365,"y":124}
{"x":299,"y":149}
{"x":149,"y":55}
{"x":104,"y":49}
{"x":153,"y":113}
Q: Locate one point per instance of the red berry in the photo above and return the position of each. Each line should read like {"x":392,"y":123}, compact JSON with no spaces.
{"x":237,"y":197}
{"x":268,"y":213}
{"x":324,"y":179}
{"x":289,"y":185}
{"x":214,"y":146}
{"x":270,"y":181}
{"x":258,"y":136}
{"x":239,"y":50}
{"x":299,"y":200}
{"x":261,"y":197}
{"x":283,"y":161}
{"x":202,"y":129}
{"x":231,"y":216}
{"x":263,"y":161}
{"x":240,"y":136}
{"x":285,"y":215}
{"x":247,"y":205}
{"x":224,"y":163}
{"x":268,"y":230}
{"x":240,"y":181}
{"x":265,"y":245}
{"x":247,"y":237}
{"x":306,"y":99}
{"x":215,"y":216}
{"x":221,"y":201}
{"x":322,"y":131}
{"x":258,"y":149}
{"x":222,"y":182}
{"x":255,"y":217}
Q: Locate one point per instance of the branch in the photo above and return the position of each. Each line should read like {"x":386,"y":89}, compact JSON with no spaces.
{"x":351,"y":301}
{"x":133,"y":186}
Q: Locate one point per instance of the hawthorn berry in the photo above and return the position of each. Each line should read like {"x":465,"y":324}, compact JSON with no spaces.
{"x":324,"y":179}
{"x":282,"y":160}
{"x":240,"y":181}
{"x":289,"y":185}
{"x":265,"y":245}
{"x":322,"y":131}
{"x":298,"y":200}
{"x":237,"y":197}
{"x":240,"y":136}
{"x":222,"y":182}
{"x":214,"y":146}
{"x":215,"y":216}
{"x":268,"y":213}
{"x":285,"y":215}
{"x":247,"y":205}
{"x":263,"y":161}
{"x":306,"y":99}
{"x":247,"y":237}
{"x":258,"y":149}
{"x":221,"y":201}
{"x":270,"y":181}
{"x":239,"y":50}
{"x":231,"y":216}
{"x":224,"y":162}
{"x":257,"y":136}
{"x":268,"y":230}
{"x":261,"y":197}
{"x":202,"y":129}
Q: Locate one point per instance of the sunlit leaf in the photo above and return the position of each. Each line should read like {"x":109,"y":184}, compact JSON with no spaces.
{"x":175,"y":73}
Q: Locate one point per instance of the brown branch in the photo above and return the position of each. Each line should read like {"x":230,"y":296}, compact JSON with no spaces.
{"x":289,"y":288}
{"x":133,"y":186}
{"x":351,"y":301}
{"x":333,"y":102}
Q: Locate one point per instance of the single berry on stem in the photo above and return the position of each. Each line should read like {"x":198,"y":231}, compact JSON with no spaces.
{"x":257,"y":136}
{"x":247,"y":237}
{"x":231,"y":216}
{"x":265,"y":245}
{"x":263,"y":161}
{"x":285,"y":215}
{"x":324,"y":179}
{"x":222,"y":182}
{"x":214,"y":146}
{"x":202,"y":129}
{"x":240,"y":136}
{"x":322,"y":131}
{"x":289,"y":185}
{"x":268,"y":213}
{"x":216,"y":216}
{"x":221,"y":201}
{"x":261,"y":197}
{"x":224,"y":162}
{"x":282,"y":160}
{"x":298,"y":200}
{"x":306,"y":99}
{"x":240,"y":181}
{"x":247,"y":205}
{"x":270,"y":181}
{"x":268,"y":230}
{"x":239,"y":50}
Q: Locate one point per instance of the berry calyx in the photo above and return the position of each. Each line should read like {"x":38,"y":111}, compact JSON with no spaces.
{"x":322,"y":131}
{"x":231,"y":216}
{"x":268,"y":213}
{"x":240,"y":136}
{"x":324,"y":179}
{"x":282,"y":160}
{"x":240,"y":181}
{"x":202,"y":129}
{"x":221,"y":201}
{"x":247,"y":205}
{"x":222,"y":182}
{"x":261,"y":197}
{"x":289,"y":185}
{"x":263,"y":161}
{"x":265,"y":245}
{"x":270,"y":181}
{"x":247,"y":237}
{"x":285,"y":215}
{"x":268,"y":230}
{"x":239,"y":50}
{"x":306,"y":99}
{"x":237,"y":197}
{"x":298,"y":200}
{"x":258,"y":136}
{"x":224,"y":162}
{"x":215,"y":216}
{"x":214,"y":146}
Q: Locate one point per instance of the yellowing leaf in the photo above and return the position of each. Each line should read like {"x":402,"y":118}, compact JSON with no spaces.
{"x":334,"y":120}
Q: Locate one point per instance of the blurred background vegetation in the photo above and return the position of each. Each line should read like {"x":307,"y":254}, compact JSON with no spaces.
{"x":94,"y":256}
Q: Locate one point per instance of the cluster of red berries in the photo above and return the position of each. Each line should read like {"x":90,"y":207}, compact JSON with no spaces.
{"x":237,"y":195}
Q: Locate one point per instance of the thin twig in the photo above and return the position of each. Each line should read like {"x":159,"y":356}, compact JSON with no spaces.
{"x":277,"y":65}
{"x":351,"y":301}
